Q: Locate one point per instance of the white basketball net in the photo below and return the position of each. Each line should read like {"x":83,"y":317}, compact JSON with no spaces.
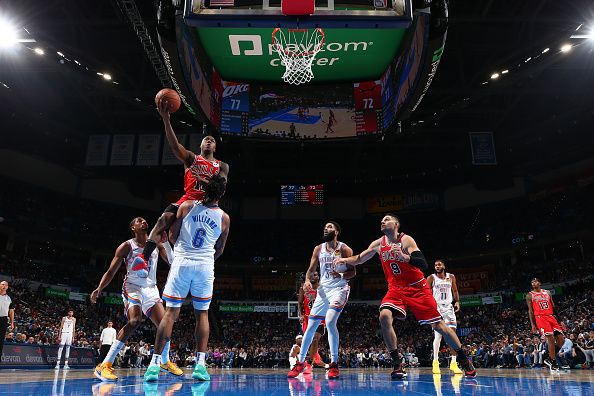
{"x":297,"y":49}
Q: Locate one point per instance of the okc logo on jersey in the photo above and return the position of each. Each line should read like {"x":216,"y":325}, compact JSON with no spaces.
{"x":140,"y":267}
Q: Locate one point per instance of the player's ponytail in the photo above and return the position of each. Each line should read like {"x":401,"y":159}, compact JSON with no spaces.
{"x":215,"y":188}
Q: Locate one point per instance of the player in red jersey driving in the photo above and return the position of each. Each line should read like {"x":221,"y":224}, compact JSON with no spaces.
{"x":403,"y":262}
{"x":198,"y":171}
{"x":540,"y":311}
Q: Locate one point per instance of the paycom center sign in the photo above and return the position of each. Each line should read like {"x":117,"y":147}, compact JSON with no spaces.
{"x":241,"y":54}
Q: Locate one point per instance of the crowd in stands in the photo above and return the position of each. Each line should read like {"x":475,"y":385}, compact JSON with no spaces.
{"x":499,"y":334}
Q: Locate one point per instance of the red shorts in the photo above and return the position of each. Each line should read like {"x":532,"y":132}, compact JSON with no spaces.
{"x":547,"y":325}
{"x":418,"y":298}
{"x":319,"y":330}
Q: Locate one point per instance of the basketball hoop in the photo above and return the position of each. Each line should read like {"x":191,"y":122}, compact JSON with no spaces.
{"x":297,"y":49}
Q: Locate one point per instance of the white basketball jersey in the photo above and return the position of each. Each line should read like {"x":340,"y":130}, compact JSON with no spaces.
{"x":68,"y":326}
{"x":198,"y":235}
{"x":442,"y":289}
{"x":326,"y":258}
{"x":131,"y":275}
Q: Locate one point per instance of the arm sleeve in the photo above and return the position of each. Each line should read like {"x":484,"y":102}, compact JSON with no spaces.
{"x":418,"y":260}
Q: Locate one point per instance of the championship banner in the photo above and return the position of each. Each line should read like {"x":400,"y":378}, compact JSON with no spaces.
{"x":148,"y":150}
{"x":97,"y":150}
{"x":122,"y":147}
{"x":483,"y":148}
{"x":168,"y":156}
{"x":403,"y":202}
{"x":24,"y":356}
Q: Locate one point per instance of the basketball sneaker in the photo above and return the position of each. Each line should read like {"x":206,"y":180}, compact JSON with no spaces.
{"x":469,"y":370}
{"x":172,"y":368}
{"x":57,"y":366}
{"x":200,"y":373}
{"x":296,"y":370}
{"x":333,"y":371}
{"x":455,"y":369}
{"x":399,"y":373}
{"x":66,"y":367}
{"x":308,"y":369}
{"x":436,"y":369}
{"x":152,"y":373}
{"x":104,"y":371}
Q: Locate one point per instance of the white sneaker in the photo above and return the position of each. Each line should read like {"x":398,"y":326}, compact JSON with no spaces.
{"x":66,"y":367}
{"x":57,"y":366}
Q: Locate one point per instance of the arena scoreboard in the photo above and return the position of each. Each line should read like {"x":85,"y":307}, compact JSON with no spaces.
{"x":299,"y":194}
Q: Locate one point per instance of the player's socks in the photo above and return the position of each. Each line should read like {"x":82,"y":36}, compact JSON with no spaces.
{"x":201,"y":358}
{"x":165,"y":353}
{"x":113,"y":351}
{"x":156,"y":360}
{"x":395,"y":357}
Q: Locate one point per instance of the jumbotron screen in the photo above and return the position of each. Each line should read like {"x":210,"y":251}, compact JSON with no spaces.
{"x":298,"y":194}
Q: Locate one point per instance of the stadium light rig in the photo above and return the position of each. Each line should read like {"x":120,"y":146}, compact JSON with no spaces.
{"x":9,"y":34}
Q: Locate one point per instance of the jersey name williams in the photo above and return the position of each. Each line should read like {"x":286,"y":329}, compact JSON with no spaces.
{"x":204,"y":220}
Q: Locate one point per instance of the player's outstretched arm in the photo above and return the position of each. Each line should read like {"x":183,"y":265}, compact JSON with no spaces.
{"x":362,"y":257}
{"x":180,"y":152}
{"x":120,"y":253}
{"x":222,"y":241}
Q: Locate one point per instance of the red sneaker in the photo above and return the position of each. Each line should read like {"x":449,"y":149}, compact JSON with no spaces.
{"x":296,"y":370}
{"x":307,"y":369}
{"x":398,"y":373}
{"x":333,"y":371}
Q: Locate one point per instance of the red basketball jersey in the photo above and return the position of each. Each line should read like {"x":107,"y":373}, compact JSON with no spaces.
{"x":368,"y":95}
{"x":541,"y":303}
{"x":192,"y":187}
{"x":398,"y":273}
{"x":308,"y":300}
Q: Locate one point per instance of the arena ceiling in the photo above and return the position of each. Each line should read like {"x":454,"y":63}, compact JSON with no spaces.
{"x":541,"y":112}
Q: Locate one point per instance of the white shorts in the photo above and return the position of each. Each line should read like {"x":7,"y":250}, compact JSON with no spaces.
{"x":448,"y":315}
{"x":332,"y":298}
{"x":198,"y":280}
{"x":144,"y":297}
{"x":66,"y":338}
{"x":292,"y":362}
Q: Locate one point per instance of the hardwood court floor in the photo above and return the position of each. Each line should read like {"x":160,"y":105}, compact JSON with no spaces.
{"x":236,"y":382}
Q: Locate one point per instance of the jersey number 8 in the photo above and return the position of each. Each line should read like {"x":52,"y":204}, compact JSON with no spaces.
{"x":198,"y":239}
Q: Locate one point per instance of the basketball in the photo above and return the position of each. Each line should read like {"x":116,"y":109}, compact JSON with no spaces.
{"x":172,"y":98}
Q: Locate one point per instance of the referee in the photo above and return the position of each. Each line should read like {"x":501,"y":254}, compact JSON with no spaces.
{"x":6,"y":313}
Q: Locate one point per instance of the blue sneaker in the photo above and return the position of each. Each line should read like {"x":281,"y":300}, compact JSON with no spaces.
{"x":152,"y":373}
{"x":200,"y":373}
